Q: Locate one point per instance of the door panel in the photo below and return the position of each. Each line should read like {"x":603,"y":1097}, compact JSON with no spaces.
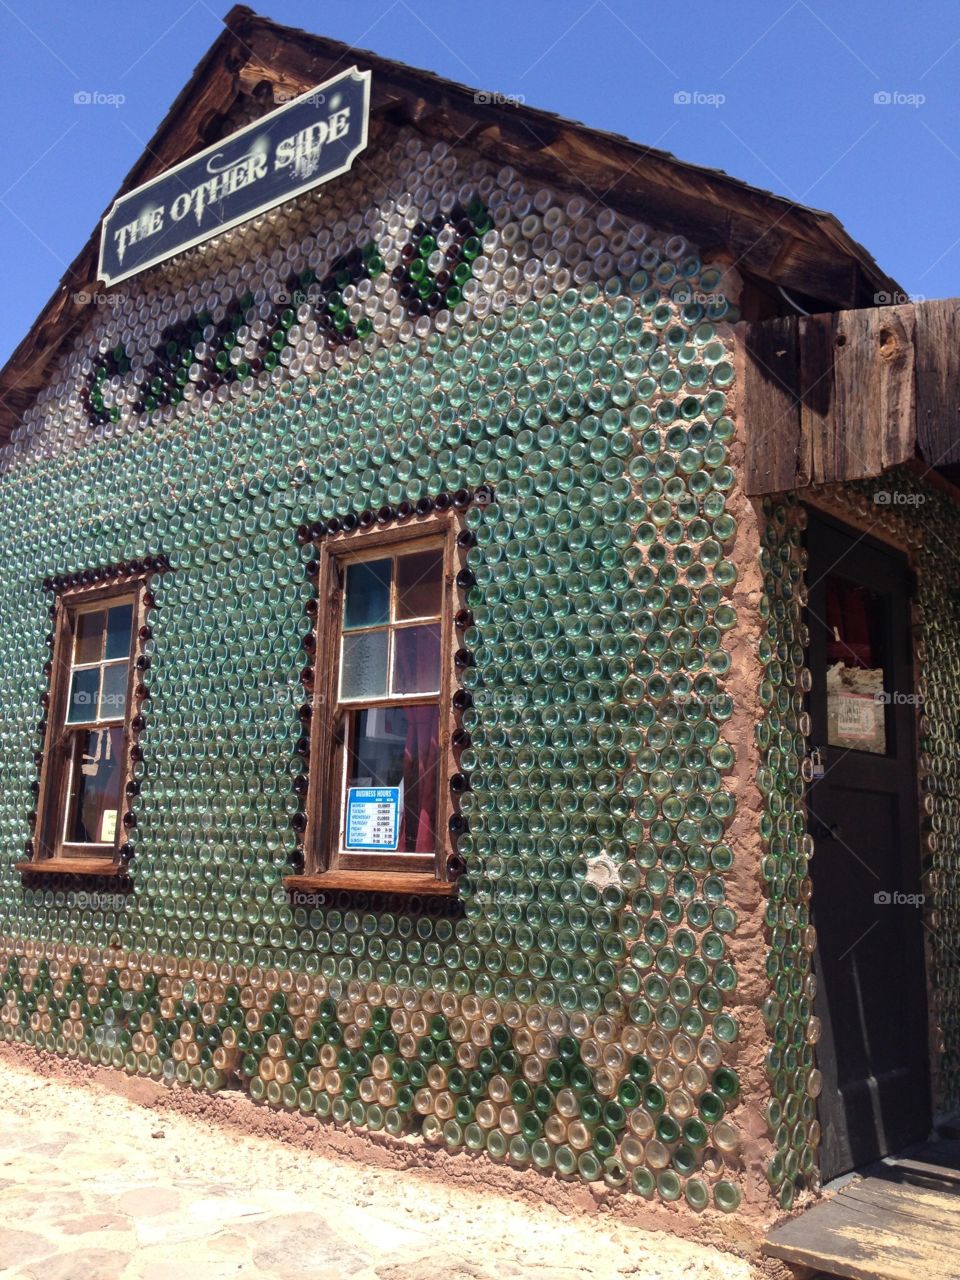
{"x":863,"y":816}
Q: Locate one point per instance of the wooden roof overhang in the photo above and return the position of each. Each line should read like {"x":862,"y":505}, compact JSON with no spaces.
{"x":255,"y":61}
{"x":846,"y":396}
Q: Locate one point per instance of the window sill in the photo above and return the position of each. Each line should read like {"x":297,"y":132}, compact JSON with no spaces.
{"x":371,"y":882}
{"x":70,"y":867}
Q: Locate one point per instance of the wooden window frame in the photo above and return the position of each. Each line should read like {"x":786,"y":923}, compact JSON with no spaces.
{"x":326,"y":864}
{"x":52,"y":854}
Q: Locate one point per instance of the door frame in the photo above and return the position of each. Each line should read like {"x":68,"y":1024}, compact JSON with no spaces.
{"x":838,"y":521}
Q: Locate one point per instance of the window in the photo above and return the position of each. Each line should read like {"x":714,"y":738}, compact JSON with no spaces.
{"x":90,"y":716}
{"x":389,"y":700}
{"x":856,"y":659}
{"x":381,"y":804}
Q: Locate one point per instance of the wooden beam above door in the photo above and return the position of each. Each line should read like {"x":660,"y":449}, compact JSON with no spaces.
{"x":848,"y":395}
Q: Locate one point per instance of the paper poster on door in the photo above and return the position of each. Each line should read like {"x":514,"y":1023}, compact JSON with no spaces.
{"x":855,"y":709}
{"x":856,"y":716}
{"x":373,"y":818}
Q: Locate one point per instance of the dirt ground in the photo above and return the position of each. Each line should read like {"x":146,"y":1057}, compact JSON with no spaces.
{"x":94,"y":1186}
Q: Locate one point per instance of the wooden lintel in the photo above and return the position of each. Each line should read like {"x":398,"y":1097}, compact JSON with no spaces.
{"x":849,"y":395}
{"x":71,"y":867}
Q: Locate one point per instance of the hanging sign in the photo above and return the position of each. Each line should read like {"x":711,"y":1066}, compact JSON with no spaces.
{"x":308,"y":141}
{"x":373,"y":818}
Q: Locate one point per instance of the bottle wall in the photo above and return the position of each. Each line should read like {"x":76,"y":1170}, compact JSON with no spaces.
{"x":924,"y":525}
{"x":425,"y":324}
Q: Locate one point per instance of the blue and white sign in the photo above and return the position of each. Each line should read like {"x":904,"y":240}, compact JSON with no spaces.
{"x":373,"y":818}
{"x":310,"y":140}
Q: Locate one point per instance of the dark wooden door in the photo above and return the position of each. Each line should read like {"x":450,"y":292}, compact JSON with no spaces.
{"x":871,"y":997}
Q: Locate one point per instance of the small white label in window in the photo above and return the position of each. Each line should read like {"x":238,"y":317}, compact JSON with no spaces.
{"x":108,"y":826}
{"x":857,"y":715}
{"x":373,"y":818}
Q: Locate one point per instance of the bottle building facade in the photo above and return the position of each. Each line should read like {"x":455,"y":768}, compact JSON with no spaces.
{"x":404,"y":707}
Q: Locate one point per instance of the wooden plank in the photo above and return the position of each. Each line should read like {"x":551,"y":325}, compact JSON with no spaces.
{"x":938,"y":1160}
{"x":844,"y":1237}
{"x":942,"y":1153}
{"x":895,"y":327}
{"x":817,"y":462}
{"x":771,"y":407}
{"x":922,"y":1176}
{"x":855,"y":412}
{"x":937,"y":341}
{"x":903,"y":1199}
{"x":372,"y":882}
{"x":876,"y":386}
{"x":817,"y":277}
{"x":55,"y":749}
{"x":873,"y":411}
{"x":70,"y":867}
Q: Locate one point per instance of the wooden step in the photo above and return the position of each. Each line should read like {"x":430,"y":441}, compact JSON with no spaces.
{"x":876,"y":1228}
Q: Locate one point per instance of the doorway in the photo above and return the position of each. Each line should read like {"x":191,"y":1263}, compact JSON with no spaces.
{"x":871,"y":987}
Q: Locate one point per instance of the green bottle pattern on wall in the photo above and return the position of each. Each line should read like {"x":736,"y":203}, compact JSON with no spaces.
{"x":572,"y":1011}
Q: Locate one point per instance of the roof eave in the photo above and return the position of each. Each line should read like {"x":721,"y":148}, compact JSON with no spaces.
{"x":775,"y":239}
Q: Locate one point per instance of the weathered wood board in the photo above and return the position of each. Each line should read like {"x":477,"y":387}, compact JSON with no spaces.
{"x":876,"y":1229}
{"x":848,"y":395}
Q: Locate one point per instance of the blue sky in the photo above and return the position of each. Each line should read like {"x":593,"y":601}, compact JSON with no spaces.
{"x":848,"y":107}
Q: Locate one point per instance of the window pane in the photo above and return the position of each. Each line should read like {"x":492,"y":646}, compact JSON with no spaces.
{"x":419,"y":584}
{"x":84,"y":690}
{"x":856,"y":702}
{"x":416,"y":659}
{"x":113,"y":693}
{"x":397,"y":747}
{"x":89,"y":642}
{"x":93,"y":805}
{"x":368,"y":594}
{"x":363,"y":668}
{"x":119,"y":624}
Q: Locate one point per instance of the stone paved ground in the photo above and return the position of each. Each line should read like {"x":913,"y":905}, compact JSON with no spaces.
{"x":96,"y":1187}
